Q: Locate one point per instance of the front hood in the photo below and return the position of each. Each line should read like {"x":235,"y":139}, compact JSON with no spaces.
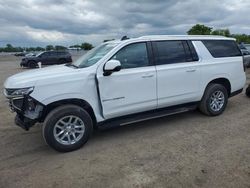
{"x":29,"y":58}
{"x":29,"y":78}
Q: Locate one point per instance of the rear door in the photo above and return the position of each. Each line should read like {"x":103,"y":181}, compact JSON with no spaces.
{"x":133,"y":88}
{"x":178,"y":73}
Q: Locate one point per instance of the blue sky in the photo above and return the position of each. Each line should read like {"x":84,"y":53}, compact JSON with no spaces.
{"x":65,"y":22}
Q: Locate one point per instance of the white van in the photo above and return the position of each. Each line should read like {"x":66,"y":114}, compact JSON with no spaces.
{"x":125,"y":81}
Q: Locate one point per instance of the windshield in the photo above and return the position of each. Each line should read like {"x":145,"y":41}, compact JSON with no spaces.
{"x":94,"y":55}
{"x":39,"y":54}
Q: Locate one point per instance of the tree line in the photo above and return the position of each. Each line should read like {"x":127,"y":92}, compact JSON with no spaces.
{"x":11,"y":48}
{"x":200,"y":29}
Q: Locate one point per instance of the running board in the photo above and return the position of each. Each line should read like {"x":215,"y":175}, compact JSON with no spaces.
{"x":138,"y":117}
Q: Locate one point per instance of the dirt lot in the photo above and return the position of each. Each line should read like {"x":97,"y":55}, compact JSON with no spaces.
{"x":185,"y":150}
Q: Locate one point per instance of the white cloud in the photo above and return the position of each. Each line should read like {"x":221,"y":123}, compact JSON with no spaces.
{"x":68,"y":22}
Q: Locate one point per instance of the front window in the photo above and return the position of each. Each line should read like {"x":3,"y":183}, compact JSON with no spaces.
{"x":133,"y":56}
{"x":94,"y":55}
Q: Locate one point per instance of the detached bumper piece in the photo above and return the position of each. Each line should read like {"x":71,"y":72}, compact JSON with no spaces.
{"x":24,"y":122}
{"x":28,"y":111}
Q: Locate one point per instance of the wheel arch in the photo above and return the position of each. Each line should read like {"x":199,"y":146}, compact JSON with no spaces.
{"x":223,"y":81}
{"x":78,"y":102}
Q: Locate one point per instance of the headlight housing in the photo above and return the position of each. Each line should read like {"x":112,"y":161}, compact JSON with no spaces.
{"x":18,"y":92}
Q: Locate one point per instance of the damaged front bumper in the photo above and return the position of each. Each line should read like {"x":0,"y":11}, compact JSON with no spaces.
{"x":28,"y":110}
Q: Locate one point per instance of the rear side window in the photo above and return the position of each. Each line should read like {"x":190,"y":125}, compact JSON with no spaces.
{"x":222,"y":48}
{"x":169,"y":52}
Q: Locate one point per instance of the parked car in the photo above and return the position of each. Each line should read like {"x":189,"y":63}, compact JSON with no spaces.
{"x":245,"y":53}
{"x":246,"y":57}
{"x":122,"y":82}
{"x":21,"y":53}
{"x":46,"y":58}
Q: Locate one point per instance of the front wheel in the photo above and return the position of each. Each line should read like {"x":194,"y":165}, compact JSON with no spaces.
{"x":67,"y":128}
{"x":214,"y":100}
{"x":32,"y":64}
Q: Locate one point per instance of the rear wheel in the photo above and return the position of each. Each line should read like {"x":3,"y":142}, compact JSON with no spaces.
{"x":67,"y":128}
{"x":248,"y":91}
{"x":214,"y":100}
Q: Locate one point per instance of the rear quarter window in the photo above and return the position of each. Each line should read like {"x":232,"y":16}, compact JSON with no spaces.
{"x":222,"y":48}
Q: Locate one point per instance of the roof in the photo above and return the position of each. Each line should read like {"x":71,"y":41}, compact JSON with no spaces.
{"x":185,"y":37}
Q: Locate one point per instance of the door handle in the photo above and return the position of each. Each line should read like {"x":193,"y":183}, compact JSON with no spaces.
{"x":147,"y":76}
{"x":191,"y":70}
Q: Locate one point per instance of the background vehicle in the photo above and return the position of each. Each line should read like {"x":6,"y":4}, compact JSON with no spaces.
{"x":46,"y":58}
{"x":121,"y":82}
{"x":246,"y":55}
{"x":21,"y":53}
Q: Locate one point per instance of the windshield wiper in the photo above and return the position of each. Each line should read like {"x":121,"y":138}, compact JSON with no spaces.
{"x":71,"y":65}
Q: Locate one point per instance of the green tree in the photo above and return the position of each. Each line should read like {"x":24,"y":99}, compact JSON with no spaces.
{"x":9,"y":48}
{"x":241,"y":38}
{"x":86,"y":46}
{"x":199,"y":29}
{"x":59,"y":48}
{"x":38,"y":48}
{"x":49,"y":47}
{"x":222,"y":32}
{"x":75,"y":46}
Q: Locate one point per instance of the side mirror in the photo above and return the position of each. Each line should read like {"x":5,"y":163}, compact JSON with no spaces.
{"x":111,"y":66}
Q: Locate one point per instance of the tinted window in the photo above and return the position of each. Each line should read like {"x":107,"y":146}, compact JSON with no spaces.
{"x":167,"y":52}
{"x":222,"y":48}
{"x":132,"y":56}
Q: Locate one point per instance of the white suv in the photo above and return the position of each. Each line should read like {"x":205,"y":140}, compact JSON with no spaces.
{"x":126,"y":81}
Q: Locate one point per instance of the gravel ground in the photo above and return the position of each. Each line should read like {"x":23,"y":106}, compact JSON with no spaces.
{"x":185,"y":150}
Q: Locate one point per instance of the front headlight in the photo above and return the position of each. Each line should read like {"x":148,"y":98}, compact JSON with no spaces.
{"x":19,"y":92}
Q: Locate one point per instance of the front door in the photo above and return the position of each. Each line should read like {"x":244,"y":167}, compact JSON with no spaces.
{"x":133,"y":88}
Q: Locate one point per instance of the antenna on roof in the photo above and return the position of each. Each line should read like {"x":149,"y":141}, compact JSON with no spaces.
{"x":124,"y":38}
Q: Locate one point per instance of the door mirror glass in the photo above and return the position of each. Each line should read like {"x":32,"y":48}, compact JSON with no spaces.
{"x":111,"y":66}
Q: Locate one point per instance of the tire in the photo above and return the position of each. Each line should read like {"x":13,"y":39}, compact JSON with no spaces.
{"x":248,"y":91}
{"x":207,"y":105}
{"x":32,"y":64}
{"x":64,"y":113}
